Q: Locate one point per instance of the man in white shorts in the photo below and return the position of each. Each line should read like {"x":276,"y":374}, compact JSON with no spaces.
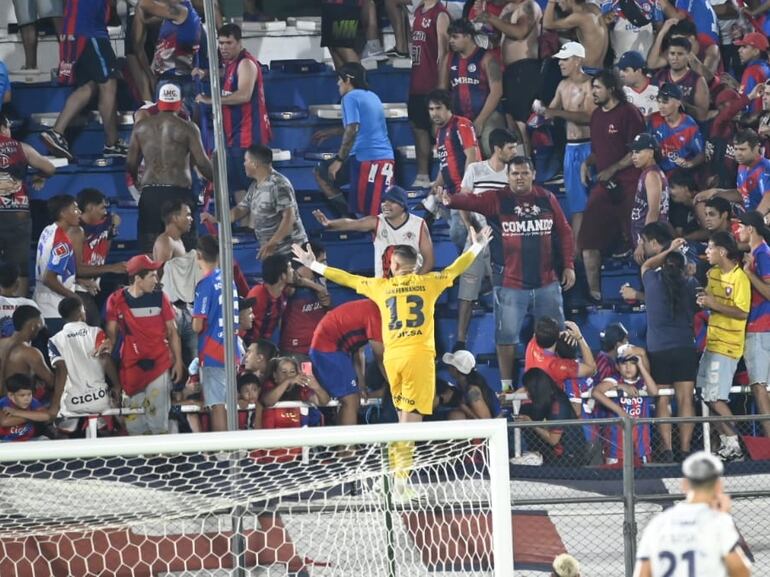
{"x":80,"y":357}
{"x":697,"y":536}
{"x":479,"y":177}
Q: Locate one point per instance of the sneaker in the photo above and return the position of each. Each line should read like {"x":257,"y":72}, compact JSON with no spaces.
{"x":373,"y":50}
{"x":57,"y":144}
{"x":530,"y":458}
{"x":421,"y":181}
{"x":730,"y":452}
{"x":393,"y":53}
{"x":117,"y":150}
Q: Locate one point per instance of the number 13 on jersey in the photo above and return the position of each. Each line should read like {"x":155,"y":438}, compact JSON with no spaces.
{"x":406,"y":315}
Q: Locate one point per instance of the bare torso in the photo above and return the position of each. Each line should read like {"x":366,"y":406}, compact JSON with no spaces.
{"x":164,"y":140}
{"x":576,"y":97}
{"x":592,"y":34}
{"x":515,"y":50}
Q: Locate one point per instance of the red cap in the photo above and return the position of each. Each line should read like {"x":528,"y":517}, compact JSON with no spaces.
{"x":754,"y":39}
{"x":170,"y":98}
{"x":141,"y":262}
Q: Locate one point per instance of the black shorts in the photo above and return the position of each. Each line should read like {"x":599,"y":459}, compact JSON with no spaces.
{"x":521,"y":82}
{"x":671,"y":366}
{"x":149,"y":222}
{"x":340,"y":24}
{"x":16,"y":239}
{"x":96,"y":63}
{"x":417,"y":108}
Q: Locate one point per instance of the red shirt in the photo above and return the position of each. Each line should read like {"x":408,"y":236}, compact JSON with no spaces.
{"x":452,"y":140}
{"x":302,"y":315}
{"x":558,"y":369}
{"x":348,"y":327}
{"x":145,"y":353}
{"x":611,"y":131}
{"x":424,"y":49}
{"x":267,"y":311}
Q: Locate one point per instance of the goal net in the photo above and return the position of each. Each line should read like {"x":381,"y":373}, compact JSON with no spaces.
{"x":298,"y":502}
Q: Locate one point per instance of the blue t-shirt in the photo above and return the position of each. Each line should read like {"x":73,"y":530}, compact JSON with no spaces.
{"x":666,"y":328}
{"x":365,"y":108}
{"x":702,"y":15}
{"x":5,"y":82}
{"x":208,"y":305}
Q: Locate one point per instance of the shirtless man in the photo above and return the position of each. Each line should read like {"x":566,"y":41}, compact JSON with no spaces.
{"x":586,"y":19}
{"x":574,"y":103}
{"x":519,"y":23}
{"x":166,"y":142}
{"x":177,"y":216}
{"x":17,"y":355}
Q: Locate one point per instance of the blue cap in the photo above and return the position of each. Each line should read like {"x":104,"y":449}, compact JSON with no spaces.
{"x":396,"y":194}
{"x":631,"y":59}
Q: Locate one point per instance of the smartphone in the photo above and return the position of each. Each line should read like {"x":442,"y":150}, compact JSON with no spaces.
{"x":306,"y":368}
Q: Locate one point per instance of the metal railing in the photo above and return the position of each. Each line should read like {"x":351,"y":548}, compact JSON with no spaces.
{"x":599,"y":512}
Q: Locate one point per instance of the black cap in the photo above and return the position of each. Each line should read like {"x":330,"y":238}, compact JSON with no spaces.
{"x":644,"y":141}
{"x":353,"y":72}
{"x":612,"y":335}
{"x":670,"y":90}
{"x":755,"y":219}
{"x":702,"y":467}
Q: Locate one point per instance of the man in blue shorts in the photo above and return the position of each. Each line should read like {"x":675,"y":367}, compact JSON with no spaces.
{"x":336,"y":352}
{"x":365,"y":157}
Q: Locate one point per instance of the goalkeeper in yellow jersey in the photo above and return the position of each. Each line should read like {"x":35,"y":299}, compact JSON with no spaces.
{"x":406,"y":301}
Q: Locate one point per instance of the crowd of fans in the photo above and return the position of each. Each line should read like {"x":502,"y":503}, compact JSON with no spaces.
{"x":659,"y":111}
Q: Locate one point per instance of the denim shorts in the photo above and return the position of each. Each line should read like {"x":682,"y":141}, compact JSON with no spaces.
{"x":715,"y":376}
{"x":511,"y":307}
{"x":214,"y":385}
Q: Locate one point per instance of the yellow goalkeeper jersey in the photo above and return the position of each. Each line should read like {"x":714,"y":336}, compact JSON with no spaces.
{"x":406,"y":304}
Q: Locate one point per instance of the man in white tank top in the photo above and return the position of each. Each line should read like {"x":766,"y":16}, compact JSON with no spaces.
{"x":697,"y":536}
{"x":393,"y":226}
{"x":80,"y":357}
{"x":479,"y":177}
{"x":636,"y":84}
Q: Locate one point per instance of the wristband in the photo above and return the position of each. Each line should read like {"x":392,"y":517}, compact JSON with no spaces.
{"x":318,"y":267}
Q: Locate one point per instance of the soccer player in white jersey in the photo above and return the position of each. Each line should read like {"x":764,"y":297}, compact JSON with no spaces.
{"x":636,"y":84}
{"x":80,"y":357}
{"x":480,"y":177}
{"x":697,"y":537}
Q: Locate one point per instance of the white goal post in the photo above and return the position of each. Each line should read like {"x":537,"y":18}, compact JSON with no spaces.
{"x":298,"y":502}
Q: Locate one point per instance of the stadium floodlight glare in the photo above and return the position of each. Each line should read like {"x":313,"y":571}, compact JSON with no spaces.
{"x":311,"y":502}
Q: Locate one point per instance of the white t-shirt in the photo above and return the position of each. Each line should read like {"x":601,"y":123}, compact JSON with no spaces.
{"x":688,"y":539}
{"x":646,"y":100}
{"x":86,"y":391}
{"x":8,"y":306}
{"x":480,"y":177}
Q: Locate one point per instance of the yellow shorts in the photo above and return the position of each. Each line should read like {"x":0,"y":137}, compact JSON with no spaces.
{"x":412,"y":382}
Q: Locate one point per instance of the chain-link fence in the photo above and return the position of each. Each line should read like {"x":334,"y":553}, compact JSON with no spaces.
{"x":574,"y":491}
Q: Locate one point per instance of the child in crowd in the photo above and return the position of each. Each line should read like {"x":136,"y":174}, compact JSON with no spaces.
{"x":19,"y":411}
{"x":632,"y":378}
{"x":250,"y":409}
{"x":288,"y":383}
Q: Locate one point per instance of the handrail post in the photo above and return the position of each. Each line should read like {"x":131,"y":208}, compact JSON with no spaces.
{"x":629,"y":501}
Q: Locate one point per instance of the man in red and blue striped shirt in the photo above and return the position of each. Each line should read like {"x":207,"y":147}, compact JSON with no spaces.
{"x":244,"y":109}
{"x":753,"y":231}
{"x":680,"y":139}
{"x":751,"y":50}
{"x":270,"y":296}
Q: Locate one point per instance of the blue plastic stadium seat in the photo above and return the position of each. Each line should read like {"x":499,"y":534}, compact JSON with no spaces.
{"x":614,"y":275}
{"x":299,"y":171}
{"x":129,"y":216}
{"x":445,"y":253}
{"x":353,"y":255}
{"x":593,"y":321}
{"x":111,"y":180}
{"x":341,"y":295}
{"x":245,"y":254}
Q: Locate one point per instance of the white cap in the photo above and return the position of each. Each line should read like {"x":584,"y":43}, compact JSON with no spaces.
{"x":463,"y":361}
{"x":170,"y":96}
{"x":570,"y":49}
